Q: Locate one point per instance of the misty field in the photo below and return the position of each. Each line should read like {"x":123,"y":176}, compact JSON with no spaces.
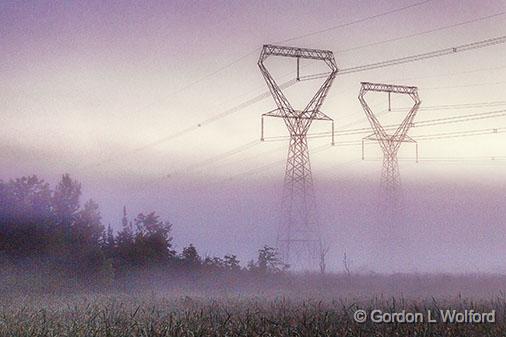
{"x":269,"y":311}
{"x":127,"y":316}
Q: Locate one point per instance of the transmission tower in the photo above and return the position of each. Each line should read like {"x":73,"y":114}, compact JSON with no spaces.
{"x":298,"y":239}
{"x":390,"y":143}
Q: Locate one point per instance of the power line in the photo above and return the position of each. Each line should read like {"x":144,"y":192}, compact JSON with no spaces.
{"x":242,"y":105}
{"x":396,"y":10}
{"x":269,"y":165}
{"x":446,"y":135}
{"x":203,"y":78}
{"x":424,"y":56}
{"x":204,"y":122}
{"x":422,"y":123}
{"x":258,"y":98}
{"x":459,"y":119}
{"x":464,"y":159}
{"x":250,"y":171}
{"x":434,"y":136}
{"x":414,"y":58}
{"x":453,"y":73}
{"x":239,"y":59}
{"x":254,"y":99}
{"x":464,"y":85}
{"x":449,"y":159}
{"x":457,"y":134}
{"x":422,"y":33}
{"x":457,"y":106}
{"x":214,"y":159}
{"x":448,"y":106}
{"x":430,"y":122}
{"x":244,"y":56}
{"x":434,"y":76}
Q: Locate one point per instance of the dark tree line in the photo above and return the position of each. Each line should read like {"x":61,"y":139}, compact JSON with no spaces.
{"x":45,"y":225}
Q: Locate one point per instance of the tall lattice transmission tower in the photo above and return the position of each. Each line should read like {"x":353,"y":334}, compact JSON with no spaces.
{"x":298,"y":240}
{"x":390,"y":143}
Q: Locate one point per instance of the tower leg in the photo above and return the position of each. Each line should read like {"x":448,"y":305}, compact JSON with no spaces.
{"x":299,"y":239}
{"x":390,"y":177}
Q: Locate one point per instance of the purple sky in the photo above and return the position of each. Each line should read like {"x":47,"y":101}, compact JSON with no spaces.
{"x":87,"y":85}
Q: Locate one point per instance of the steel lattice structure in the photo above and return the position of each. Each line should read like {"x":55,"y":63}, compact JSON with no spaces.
{"x":298,"y":234}
{"x":390,"y":143}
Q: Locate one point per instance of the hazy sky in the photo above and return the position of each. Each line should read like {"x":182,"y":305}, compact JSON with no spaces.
{"x":88,"y":87}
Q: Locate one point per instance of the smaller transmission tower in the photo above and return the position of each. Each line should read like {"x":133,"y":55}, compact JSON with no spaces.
{"x":390,"y":143}
{"x":299,"y":238}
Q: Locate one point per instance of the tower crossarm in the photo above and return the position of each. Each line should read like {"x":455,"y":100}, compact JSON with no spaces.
{"x":315,"y":115}
{"x":390,"y":143}
{"x":392,"y":88}
{"x":298,"y":121}
{"x":374,"y":137}
{"x":304,"y":53}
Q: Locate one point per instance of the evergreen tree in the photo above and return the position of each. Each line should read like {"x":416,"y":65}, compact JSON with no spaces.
{"x":126,"y":234}
{"x":87,"y":227}
{"x":152,"y":239}
{"x":66,"y":201}
{"x":190,"y":257}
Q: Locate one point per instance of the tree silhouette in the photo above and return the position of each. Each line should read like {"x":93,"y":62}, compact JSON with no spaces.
{"x":87,"y":227}
{"x":25,"y":216}
{"x":232,"y":263}
{"x":108,"y":242}
{"x":190,"y":257}
{"x":268,"y":262}
{"x":126,"y":235}
{"x":152,"y":239}
{"x":51,"y":229}
{"x":66,"y":201}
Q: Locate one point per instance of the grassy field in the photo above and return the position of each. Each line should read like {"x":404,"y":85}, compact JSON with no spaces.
{"x":294,"y":306}
{"x":156,"y":315}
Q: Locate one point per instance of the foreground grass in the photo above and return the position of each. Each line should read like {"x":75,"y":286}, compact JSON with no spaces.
{"x":155,"y":315}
